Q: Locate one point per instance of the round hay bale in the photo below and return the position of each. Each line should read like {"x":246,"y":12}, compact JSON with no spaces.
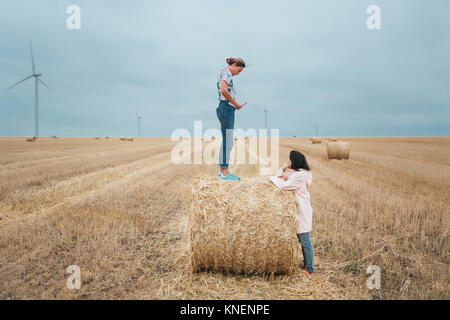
{"x":130,"y":139}
{"x":97,"y":138}
{"x":333,"y":139}
{"x":243,"y":227}
{"x":316,"y":140}
{"x":31,"y":139}
{"x":338,"y":150}
{"x":123,"y":139}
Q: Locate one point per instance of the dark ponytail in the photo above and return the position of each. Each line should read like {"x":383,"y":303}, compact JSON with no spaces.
{"x":239,"y":62}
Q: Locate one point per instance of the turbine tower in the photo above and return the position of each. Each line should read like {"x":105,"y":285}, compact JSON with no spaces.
{"x":36,"y":80}
{"x":139,"y":124}
{"x":265,"y":116}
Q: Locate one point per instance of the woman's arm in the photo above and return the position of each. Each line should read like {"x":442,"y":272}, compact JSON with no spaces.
{"x":282,"y":170}
{"x":292,"y":183}
{"x":226,"y":94}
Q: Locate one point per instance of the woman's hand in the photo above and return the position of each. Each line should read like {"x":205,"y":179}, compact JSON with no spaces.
{"x":239,"y":106}
{"x":285,"y":166}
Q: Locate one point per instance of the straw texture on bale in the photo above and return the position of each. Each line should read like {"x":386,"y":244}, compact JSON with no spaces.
{"x":315,"y":140}
{"x":338,"y":150}
{"x":242,"y":227}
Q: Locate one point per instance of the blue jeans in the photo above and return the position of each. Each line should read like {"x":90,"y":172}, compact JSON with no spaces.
{"x":307,"y":249}
{"x":225,"y":114}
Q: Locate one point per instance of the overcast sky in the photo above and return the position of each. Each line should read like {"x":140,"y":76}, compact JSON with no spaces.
{"x":308,"y":61}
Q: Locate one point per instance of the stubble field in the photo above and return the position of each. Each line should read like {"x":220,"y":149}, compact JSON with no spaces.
{"x":119,"y":211}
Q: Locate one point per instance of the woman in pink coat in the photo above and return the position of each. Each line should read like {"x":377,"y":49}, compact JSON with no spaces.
{"x":296,"y":175}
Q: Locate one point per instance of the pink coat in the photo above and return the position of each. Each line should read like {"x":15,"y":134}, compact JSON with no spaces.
{"x":299,"y":182}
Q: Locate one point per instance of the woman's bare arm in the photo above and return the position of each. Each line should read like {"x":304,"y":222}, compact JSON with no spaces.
{"x":226,"y":94}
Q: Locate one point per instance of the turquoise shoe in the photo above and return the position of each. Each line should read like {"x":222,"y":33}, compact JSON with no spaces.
{"x":229,"y":177}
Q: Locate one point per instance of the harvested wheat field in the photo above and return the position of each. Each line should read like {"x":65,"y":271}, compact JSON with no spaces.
{"x":120,"y":212}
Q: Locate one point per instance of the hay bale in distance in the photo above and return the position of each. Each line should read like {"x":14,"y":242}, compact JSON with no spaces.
{"x":107,"y":138}
{"x":338,"y":150}
{"x":130,"y":139}
{"x":244,"y":227}
{"x":31,"y":139}
{"x":123,"y":139}
{"x":316,"y":140}
{"x":333,"y":139}
{"x":97,"y":138}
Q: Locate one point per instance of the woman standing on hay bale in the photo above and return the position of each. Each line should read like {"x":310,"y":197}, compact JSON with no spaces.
{"x":225,"y":112}
{"x":296,"y":175}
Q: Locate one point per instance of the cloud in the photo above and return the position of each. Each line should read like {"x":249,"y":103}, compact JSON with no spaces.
{"x":309,"y":61}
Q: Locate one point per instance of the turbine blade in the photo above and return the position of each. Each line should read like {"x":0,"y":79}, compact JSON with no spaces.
{"x":44,"y":84}
{"x":20,"y":82}
{"x":32,"y":59}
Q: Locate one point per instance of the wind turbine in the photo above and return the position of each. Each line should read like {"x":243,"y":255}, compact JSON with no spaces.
{"x":36,"y":79}
{"x":265,"y":116}
{"x":139,"y":123}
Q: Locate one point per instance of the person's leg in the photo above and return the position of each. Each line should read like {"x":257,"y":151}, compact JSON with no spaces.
{"x":222,"y":153}
{"x":225,"y":113}
{"x":227,"y":146}
{"x":307,"y":249}
{"x":303,"y":250}
{"x":229,"y":132}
